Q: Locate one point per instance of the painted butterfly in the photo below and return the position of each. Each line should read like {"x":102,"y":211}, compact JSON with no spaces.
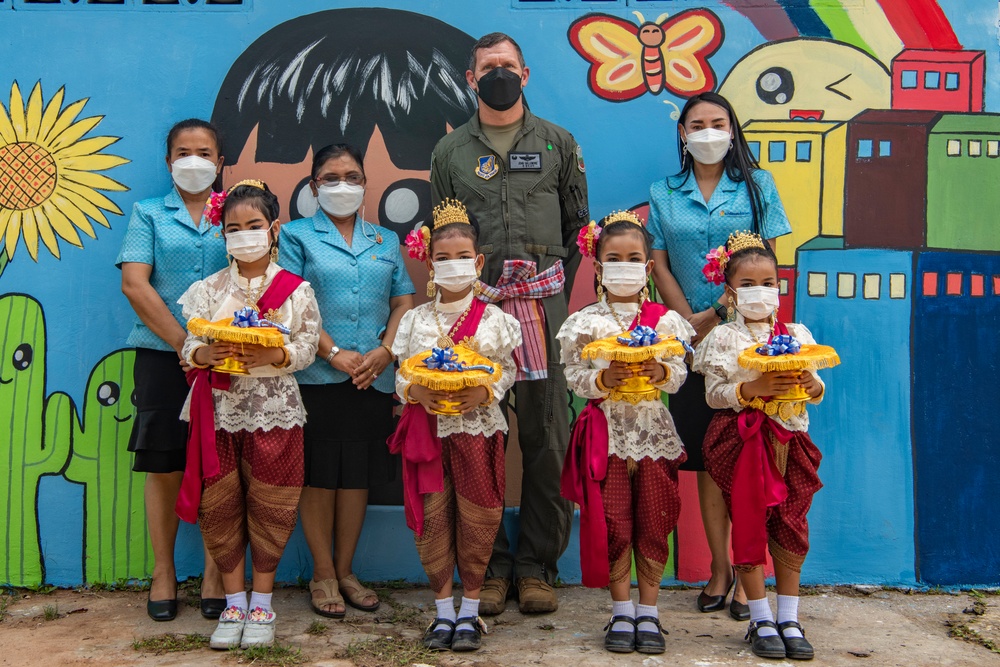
{"x":626,"y":59}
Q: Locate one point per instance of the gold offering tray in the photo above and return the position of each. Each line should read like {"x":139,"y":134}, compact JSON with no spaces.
{"x":636,"y":388}
{"x":415,"y":370}
{"x":810,"y":357}
{"x":224,"y":331}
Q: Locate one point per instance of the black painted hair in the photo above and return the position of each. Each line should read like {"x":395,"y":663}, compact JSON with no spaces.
{"x":620,"y":228}
{"x":334,"y":151}
{"x":746,"y":254}
{"x":193,"y":124}
{"x":489,"y":41}
{"x":262,"y":200}
{"x":739,"y":161}
{"x":469,"y":231}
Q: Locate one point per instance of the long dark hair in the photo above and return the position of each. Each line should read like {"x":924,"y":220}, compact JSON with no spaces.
{"x":739,"y":161}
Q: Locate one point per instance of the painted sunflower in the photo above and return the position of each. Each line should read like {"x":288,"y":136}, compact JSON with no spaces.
{"x":49,"y":187}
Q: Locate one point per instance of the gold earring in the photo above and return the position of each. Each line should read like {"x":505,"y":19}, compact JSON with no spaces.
{"x":600,"y":290}
{"x":274,"y":254}
{"x":477,"y":288}
{"x":431,"y":287}
{"x":644,"y":294}
{"x":729,"y":310}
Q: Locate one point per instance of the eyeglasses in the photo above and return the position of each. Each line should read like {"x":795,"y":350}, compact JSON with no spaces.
{"x":333,"y":179}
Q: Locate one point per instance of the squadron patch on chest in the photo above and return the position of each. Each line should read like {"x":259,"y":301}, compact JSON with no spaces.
{"x":487,"y":168}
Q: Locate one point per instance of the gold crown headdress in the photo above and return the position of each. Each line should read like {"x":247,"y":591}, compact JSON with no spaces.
{"x":450,"y":211}
{"x":742,"y":240}
{"x":213,"y":207}
{"x":623,"y":216}
{"x":586,"y":240}
{"x":253,"y":182}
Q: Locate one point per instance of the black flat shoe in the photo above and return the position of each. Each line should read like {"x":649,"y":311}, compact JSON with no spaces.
{"x":618,"y":641}
{"x":649,"y":642}
{"x":161,"y":610}
{"x":771,"y":646}
{"x":709,"y":603}
{"x":468,"y":640}
{"x":212,"y":608}
{"x":739,"y":611}
{"x":796,"y":648}
{"x":439,"y":640}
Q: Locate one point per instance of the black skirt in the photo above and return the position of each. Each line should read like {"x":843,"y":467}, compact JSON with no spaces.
{"x":159,"y":437}
{"x":692,"y":416}
{"x":345,"y":436}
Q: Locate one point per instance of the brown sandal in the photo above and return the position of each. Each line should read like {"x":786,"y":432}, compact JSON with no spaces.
{"x":329,"y":588}
{"x":356,"y":593}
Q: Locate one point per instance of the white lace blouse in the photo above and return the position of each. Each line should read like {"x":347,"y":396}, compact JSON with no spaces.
{"x":497,"y":336}
{"x":268,"y":397}
{"x":635,"y":431}
{"x":716,"y":359}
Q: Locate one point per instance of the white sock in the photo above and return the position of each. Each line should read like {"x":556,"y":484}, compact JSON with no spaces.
{"x":760,"y":610}
{"x":788,"y":610}
{"x":622,"y":609}
{"x":446,"y":611}
{"x":262,"y":600}
{"x":469,"y":609}
{"x":238,"y":600}
{"x":647,"y":610}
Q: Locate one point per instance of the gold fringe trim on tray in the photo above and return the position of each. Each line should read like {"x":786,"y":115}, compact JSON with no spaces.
{"x":810,"y":357}
{"x":414,"y":370}
{"x":222,"y":330}
{"x":610,"y":349}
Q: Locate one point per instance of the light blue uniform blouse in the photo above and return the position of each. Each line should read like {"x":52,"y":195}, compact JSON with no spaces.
{"x":353,"y":286}
{"x":160,"y":233}
{"x":687,"y":228}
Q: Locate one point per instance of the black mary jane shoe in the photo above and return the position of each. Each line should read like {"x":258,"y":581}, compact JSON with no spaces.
{"x":212,"y":608}
{"x":771,"y":646}
{"x":439,"y":640}
{"x":739,"y":611}
{"x":468,"y":640}
{"x":709,"y":603}
{"x":618,"y":641}
{"x":649,"y":642}
{"x":796,"y":648}
{"x":161,"y":610}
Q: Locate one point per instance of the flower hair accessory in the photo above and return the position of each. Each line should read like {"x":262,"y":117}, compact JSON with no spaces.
{"x":586,"y":240}
{"x":418,"y":243}
{"x":213,"y":207}
{"x":715,"y":266}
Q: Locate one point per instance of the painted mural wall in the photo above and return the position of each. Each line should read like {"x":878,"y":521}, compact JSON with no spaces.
{"x":876,"y":118}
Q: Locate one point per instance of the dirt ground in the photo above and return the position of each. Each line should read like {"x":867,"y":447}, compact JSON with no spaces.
{"x":848,"y":626}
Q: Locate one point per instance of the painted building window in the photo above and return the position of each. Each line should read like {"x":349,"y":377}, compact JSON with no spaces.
{"x":951,"y":81}
{"x":953,"y":284}
{"x":993,"y":148}
{"x":847,"y":285}
{"x":908,"y":79}
{"x":817,"y":284}
{"x":932,"y":80}
{"x":864,"y":148}
{"x":803,"y":151}
{"x":755,"y":149}
{"x":884,"y":148}
{"x":996,"y":285}
{"x":871,"y":288}
{"x":776,"y":151}
{"x":897,"y":285}
{"x":783,"y":286}
{"x":954,"y":147}
{"x":930,"y":283}
{"x":977,"y":286}
{"x":975,"y":147}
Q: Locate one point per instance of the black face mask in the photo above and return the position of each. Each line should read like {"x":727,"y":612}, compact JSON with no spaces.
{"x":499,"y":89}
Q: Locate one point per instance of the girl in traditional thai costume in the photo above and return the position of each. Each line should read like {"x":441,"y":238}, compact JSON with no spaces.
{"x":624,"y":453}
{"x":245,"y":458}
{"x":452,"y":437}
{"x":757,"y":449}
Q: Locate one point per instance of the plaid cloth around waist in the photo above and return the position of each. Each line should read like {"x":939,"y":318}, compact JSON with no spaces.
{"x":517,"y":291}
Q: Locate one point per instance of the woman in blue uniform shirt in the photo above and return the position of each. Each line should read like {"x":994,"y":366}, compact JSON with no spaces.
{"x":720,"y":189}
{"x":363,"y":290}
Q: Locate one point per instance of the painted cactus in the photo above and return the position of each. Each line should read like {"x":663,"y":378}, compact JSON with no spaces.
{"x":116,"y":542}
{"x":27,"y":451}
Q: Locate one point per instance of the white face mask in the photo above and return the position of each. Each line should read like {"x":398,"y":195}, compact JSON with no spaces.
{"x":341,"y":199}
{"x":623,"y":278}
{"x":709,"y":146}
{"x":756,"y":303}
{"x":249,"y":245}
{"x":193,"y":174}
{"x":455,"y":275}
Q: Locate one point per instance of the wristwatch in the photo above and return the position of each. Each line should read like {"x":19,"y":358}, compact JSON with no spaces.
{"x":721,"y":311}
{"x":333,"y":352}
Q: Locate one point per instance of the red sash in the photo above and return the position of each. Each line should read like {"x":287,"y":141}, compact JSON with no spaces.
{"x":757,"y":483}
{"x":416,"y":439}
{"x":585,"y":467}
{"x":202,"y":459}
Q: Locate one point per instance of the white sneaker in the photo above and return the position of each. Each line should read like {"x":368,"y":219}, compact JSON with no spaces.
{"x":229,"y":631}
{"x":259,"y":629}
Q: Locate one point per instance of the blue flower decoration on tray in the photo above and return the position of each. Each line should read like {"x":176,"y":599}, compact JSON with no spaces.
{"x":446,"y":359}
{"x":781,"y":344}
{"x":641,"y":336}
{"x":247,"y":317}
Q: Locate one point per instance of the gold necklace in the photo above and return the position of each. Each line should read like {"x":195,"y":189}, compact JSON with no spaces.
{"x":444,"y":339}
{"x":754,"y":336}
{"x":252,"y":294}
{"x":618,"y":320}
